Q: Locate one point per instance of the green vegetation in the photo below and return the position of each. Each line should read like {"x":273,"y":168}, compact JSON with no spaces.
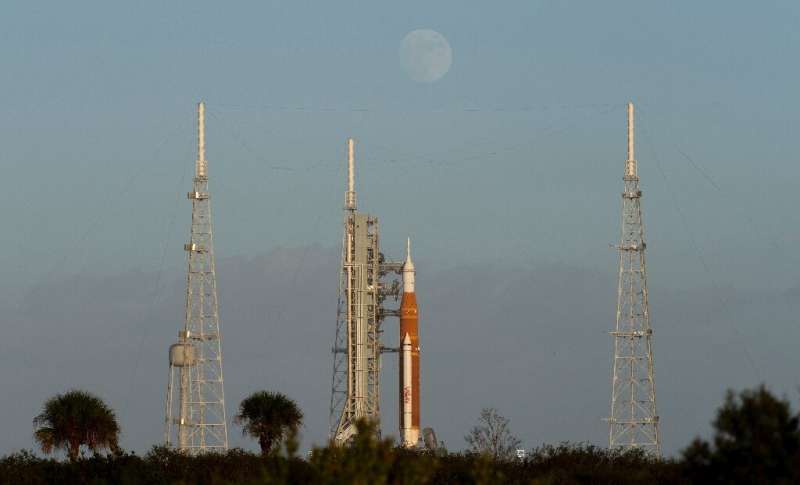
{"x":756,"y":440}
{"x":269,"y":417}
{"x":369,"y":460}
{"x":74,"y":419}
{"x":492,"y":436}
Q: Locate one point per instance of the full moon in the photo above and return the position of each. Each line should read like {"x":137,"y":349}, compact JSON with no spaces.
{"x":426,"y":55}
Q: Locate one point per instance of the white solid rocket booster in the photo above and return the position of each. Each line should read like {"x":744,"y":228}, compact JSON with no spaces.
{"x":409,"y":440}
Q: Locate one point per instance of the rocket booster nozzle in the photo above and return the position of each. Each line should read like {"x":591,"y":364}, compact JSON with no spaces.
{"x":630,"y":163}
{"x":350,"y":195}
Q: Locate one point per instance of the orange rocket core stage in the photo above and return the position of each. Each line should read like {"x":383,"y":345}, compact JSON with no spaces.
{"x":409,"y":357}
{"x":409,"y":324}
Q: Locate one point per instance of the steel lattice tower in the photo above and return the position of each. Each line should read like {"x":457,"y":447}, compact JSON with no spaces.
{"x":355,"y":386}
{"x":196,"y":421}
{"x":634,"y":420}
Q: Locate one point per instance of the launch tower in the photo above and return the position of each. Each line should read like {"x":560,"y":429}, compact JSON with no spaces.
{"x":195,"y":421}
{"x":634,"y":421}
{"x":355,"y":387}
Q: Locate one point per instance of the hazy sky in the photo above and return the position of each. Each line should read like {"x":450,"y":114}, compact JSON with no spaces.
{"x":510,"y":164}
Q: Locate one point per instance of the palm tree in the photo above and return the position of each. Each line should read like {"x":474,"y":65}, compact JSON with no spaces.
{"x":73,"y":419}
{"x":268,"y":417}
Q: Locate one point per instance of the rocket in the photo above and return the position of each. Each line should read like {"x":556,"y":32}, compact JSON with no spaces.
{"x":409,"y":357}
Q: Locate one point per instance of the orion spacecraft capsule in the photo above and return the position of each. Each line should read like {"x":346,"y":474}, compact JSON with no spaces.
{"x":409,"y":357}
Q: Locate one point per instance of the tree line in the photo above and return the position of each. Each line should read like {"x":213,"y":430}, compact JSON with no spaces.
{"x":756,"y":439}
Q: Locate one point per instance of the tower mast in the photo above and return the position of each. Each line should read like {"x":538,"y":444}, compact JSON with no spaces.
{"x":634,"y":421}
{"x":355,"y":389}
{"x":363,"y":289}
{"x":196,"y":421}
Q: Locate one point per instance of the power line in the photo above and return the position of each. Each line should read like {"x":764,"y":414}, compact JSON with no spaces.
{"x":698,"y":251}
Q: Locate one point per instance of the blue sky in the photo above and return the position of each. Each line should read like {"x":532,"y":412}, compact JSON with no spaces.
{"x":512,"y":160}
{"x":515,"y":154}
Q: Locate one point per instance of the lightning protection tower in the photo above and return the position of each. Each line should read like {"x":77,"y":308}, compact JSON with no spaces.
{"x":355,"y":387}
{"x":195,"y":421}
{"x":634,"y":420}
